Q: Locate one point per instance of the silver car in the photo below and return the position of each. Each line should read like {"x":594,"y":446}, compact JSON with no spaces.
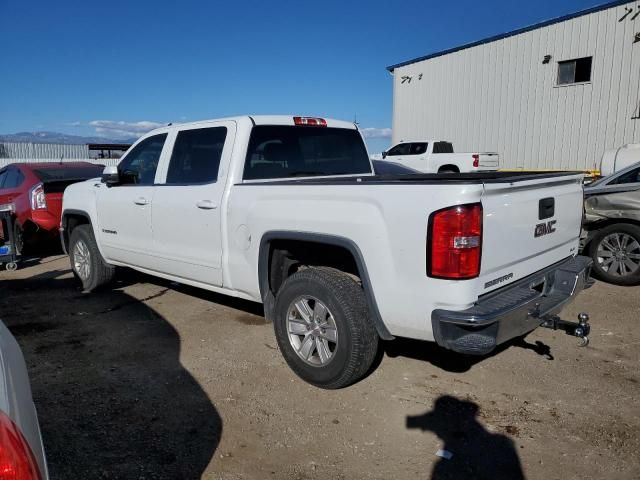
{"x":21,"y":451}
{"x":612,"y":226}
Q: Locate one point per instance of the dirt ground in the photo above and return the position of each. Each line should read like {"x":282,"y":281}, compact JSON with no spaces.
{"x":153,"y":380}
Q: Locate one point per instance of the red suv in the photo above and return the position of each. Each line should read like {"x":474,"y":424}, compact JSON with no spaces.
{"x":35,"y":191}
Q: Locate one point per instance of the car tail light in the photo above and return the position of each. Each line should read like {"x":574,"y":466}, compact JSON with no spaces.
{"x":455,"y":242}
{"x":310,"y":121}
{"x":16,"y":458}
{"x":476,"y":160}
{"x":38,"y":198}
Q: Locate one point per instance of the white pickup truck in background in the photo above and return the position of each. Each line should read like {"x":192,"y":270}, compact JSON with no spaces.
{"x":429,"y":156}
{"x":287,"y":211}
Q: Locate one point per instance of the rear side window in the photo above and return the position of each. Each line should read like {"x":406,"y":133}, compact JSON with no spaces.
{"x":3,"y":175}
{"x":418,"y":148}
{"x":13,"y":179}
{"x":140,"y":165}
{"x":288,"y":151}
{"x":196,"y":156}
{"x":442,"y":147}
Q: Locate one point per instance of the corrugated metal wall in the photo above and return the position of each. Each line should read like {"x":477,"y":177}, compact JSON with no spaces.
{"x":47,"y":152}
{"x":18,"y":151}
{"x":500,"y":97}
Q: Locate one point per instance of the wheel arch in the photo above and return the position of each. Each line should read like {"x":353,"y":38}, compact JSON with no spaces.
{"x":594,"y":227}
{"x":449,"y":166}
{"x":326,"y":240}
{"x":69,"y":220}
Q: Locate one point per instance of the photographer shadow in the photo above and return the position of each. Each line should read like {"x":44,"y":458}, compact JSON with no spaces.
{"x":476,"y":452}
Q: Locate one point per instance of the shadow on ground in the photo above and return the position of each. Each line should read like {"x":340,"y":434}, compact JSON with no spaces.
{"x":451,"y":361}
{"x":475,"y":452}
{"x":113,"y":399}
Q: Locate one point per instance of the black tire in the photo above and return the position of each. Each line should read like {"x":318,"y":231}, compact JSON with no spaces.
{"x":596,"y":245}
{"x":99,"y":272}
{"x":357,"y":338}
{"x":448,"y":170}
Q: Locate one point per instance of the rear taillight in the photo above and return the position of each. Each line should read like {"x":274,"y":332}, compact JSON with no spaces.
{"x":454,"y":244}
{"x":476,"y":160}
{"x":16,"y":458}
{"x":38,"y":199}
{"x":310,"y":121}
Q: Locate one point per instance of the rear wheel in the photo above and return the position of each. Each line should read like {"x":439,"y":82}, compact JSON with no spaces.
{"x":615,"y":251}
{"x":86,"y":262}
{"x":323,"y":328}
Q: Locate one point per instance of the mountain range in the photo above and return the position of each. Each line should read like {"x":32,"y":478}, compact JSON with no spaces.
{"x":55,"y":137}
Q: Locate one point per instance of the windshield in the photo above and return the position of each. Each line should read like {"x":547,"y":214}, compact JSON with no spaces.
{"x":295,"y":151}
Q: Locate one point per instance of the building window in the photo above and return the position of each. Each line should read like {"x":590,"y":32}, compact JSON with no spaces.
{"x":574,"y":71}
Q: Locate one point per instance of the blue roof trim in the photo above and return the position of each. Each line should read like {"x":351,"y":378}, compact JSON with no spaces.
{"x":501,"y":36}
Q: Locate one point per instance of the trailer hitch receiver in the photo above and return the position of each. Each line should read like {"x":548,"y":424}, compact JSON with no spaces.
{"x":578,"y":329}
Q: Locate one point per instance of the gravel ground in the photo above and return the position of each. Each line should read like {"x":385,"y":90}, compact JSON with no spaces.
{"x":153,"y":380}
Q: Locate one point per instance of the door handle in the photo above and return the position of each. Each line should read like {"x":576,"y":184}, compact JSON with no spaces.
{"x":141,"y":201}
{"x":206,"y":205}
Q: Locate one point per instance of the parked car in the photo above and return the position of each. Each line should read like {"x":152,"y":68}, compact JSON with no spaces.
{"x":287,"y":211}
{"x":35,"y":191}
{"x":611,"y":231}
{"x":438,"y":157}
{"x":21,"y":451}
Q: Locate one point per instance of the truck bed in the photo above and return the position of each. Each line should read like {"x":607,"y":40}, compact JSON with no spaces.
{"x":426,"y":178}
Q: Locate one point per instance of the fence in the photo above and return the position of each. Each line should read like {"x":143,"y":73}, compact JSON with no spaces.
{"x":96,"y":161}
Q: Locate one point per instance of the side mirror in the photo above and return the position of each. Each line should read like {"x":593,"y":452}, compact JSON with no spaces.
{"x":384,"y":154}
{"x":110,"y":176}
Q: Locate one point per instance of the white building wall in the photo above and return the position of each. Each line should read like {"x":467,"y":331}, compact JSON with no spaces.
{"x":499,"y":97}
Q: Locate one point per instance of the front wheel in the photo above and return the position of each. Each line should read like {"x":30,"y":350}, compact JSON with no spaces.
{"x":615,"y":251}
{"x":86,"y":262}
{"x":323,"y":328}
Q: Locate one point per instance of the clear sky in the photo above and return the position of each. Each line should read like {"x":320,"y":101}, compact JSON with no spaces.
{"x":115,"y":68}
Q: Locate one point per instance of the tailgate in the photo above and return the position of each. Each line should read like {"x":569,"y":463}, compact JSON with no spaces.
{"x":490,"y":160}
{"x":528,"y":226}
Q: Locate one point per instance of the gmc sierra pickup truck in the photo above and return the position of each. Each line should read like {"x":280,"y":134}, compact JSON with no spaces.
{"x":287,"y":211}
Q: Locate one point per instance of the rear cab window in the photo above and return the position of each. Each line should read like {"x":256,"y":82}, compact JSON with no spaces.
{"x":281,"y":151}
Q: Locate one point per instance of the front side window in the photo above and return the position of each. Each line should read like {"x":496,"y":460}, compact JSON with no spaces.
{"x":280,"y":151}
{"x":140,"y":165}
{"x":574,"y":71}
{"x":196,"y":156}
{"x":3,"y":176}
{"x":402,"y":149}
{"x":633,"y":176}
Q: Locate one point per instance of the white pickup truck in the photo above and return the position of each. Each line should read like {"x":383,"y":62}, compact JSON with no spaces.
{"x":438,"y":157}
{"x":288,"y":212}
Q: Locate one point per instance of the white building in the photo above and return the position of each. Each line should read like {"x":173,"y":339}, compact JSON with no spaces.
{"x":552,"y":95}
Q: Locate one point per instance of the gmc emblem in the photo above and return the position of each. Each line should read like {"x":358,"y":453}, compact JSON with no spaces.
{"x":544,"y":228}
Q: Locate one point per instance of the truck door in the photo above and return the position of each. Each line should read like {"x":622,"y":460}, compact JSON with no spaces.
{"x":187,"y":211}
{"x":124,"y":210}
{"x":410,"y":155}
